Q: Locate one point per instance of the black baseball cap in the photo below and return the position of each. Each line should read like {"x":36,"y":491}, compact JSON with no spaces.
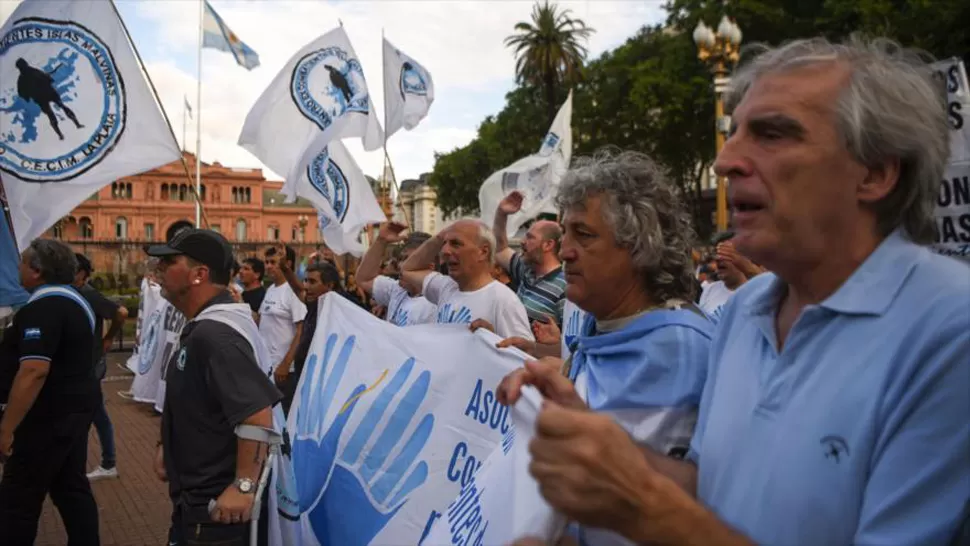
{"x":202,"y":245}
{"x":83,"y":263}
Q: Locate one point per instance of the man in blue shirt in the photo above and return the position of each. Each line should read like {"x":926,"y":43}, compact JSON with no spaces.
{"x":836,"y":405}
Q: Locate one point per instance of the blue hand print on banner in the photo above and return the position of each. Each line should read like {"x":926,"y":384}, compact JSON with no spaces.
{"x":508,"y":440}
{"x":400,"y":317}
{"x":350,"y":497}
{"x":449,"y":314}
{"x":573,"y":325}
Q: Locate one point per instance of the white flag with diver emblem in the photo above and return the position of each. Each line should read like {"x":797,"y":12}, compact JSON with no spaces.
{"x":76,"y":112}
{"x":339,"y":191}
{"x":319,"y":96}
{"x":536,"y":176}
{"x":408,"y":90}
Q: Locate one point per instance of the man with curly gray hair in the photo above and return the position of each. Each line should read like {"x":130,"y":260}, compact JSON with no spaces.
{"x":835,"y":409}
{"x":641,"y":354}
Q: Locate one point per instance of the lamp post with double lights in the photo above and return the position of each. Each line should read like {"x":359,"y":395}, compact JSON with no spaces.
{"x":303,"y":220}
{"x":720,"y":50}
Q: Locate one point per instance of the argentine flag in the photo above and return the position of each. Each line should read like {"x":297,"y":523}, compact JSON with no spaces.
{"x":216,"y":35}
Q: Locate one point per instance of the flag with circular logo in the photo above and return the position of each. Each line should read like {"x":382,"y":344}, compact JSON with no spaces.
{"x":76,"y":112}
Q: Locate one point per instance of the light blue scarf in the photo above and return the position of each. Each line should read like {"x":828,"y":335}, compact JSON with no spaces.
{"x":658,"y":360}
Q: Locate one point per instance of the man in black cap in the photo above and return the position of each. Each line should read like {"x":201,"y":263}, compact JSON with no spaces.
{"x":104,"y":309}
{"x":213,"y":384}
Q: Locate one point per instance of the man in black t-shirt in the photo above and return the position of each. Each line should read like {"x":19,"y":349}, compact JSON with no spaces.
{"x":213,"y":383}
{"x":251,"y":276}
{"x":104,"y":309}
{"x":48,"y":385}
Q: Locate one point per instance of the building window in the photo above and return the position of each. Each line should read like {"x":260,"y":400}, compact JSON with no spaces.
{"x":202,"y":193}
{"x":149,"y":232}
{"x":183,"y":190}
{"x":273,"y":233}
{"x":240,"y":230}
{"x":164,"y":192}
{"x":58,"y":231}
{"x":86,"y":229}
{"x":249,"y":196}
{"x":121,"y":228}
{"x":128,"y":192}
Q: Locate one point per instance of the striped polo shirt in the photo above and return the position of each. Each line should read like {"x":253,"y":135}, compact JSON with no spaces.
{"x":542,"y":297}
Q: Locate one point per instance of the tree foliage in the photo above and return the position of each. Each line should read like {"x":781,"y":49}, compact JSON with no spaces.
{"x":651,"y":94}
{"x":550,"y":51}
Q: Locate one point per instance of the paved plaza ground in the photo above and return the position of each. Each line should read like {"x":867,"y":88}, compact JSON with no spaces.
{"x":134,"y":509}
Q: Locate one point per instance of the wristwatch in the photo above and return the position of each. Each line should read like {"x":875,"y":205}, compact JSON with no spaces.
{"x":244,"y":485}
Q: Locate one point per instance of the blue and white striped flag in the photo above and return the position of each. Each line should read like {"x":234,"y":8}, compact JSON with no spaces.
{"x":216,"y":35}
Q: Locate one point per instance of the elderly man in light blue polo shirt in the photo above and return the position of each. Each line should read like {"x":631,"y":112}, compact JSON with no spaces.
{"x":837,"y":403}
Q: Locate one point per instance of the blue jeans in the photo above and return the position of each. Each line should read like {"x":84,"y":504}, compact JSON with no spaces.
{"x":106,"y":435}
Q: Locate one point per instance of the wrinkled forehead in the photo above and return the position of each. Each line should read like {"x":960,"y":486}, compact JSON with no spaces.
{"x":463,"y":230}
{"x":806,"y":90}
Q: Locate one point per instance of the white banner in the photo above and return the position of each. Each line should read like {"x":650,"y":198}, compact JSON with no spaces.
{"x":536,"y":176}
{"x":158,"y":342}
{"x":76,"y":112}
{"x":389,"y":423}
{"x":502,"y":502}
{"x":954,"y":76}
{"x":953,"y":201}
{"x":953,"y":212}
{"x":408,"y":90}
{"x":340,"y":192}
{"x":319,"y":96}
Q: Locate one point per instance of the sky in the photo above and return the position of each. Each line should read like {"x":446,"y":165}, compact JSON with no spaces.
{"x":459,"y":42}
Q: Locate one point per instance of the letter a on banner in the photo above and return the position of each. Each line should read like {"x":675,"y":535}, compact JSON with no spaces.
{"x":76,"y":112}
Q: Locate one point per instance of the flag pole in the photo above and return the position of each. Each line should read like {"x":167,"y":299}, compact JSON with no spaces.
{"x":185,"y":120}
{"x":198,"y":124}
{"x":158,"y":100}
{"x":5,"y":205}
{"x":387,"y":157}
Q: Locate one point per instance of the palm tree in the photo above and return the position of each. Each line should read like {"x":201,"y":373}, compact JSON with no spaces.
{"x":549,"y":50}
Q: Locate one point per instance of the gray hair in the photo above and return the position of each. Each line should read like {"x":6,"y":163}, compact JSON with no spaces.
{"x":891,"y":108}
{"x":485,"y":235}
{"x":54,"y":260}
{"x":645,"y":213}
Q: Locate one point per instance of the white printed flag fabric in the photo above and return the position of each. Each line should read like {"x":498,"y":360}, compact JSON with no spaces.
{"x":319,"y":96}
{"x":76,"y":112}
{"x":536,"y":176}
{"x":157,"y":344}
{"x":953,"y":201}
{"x":217,"y":35}
{"x":338,"y":189}
{"x":389,"y":423}
{"x":408,"y":90}
{"x":502,"y":503}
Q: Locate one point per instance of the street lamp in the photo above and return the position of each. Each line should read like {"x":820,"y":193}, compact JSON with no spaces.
{"x":721,"y":51}
{"x":303,"y":222}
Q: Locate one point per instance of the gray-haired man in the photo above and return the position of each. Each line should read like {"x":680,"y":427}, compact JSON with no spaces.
{"x":468,"y":293}
{"x":835,"y":408}
{"x":48,"y":383}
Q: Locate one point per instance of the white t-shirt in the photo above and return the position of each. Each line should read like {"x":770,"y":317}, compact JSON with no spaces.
{"x":493,"y":302}
{"x":714,"y":295}
{"x":402,"y":309}
{"x":279,"y":313}
{"x":572,"y":322}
